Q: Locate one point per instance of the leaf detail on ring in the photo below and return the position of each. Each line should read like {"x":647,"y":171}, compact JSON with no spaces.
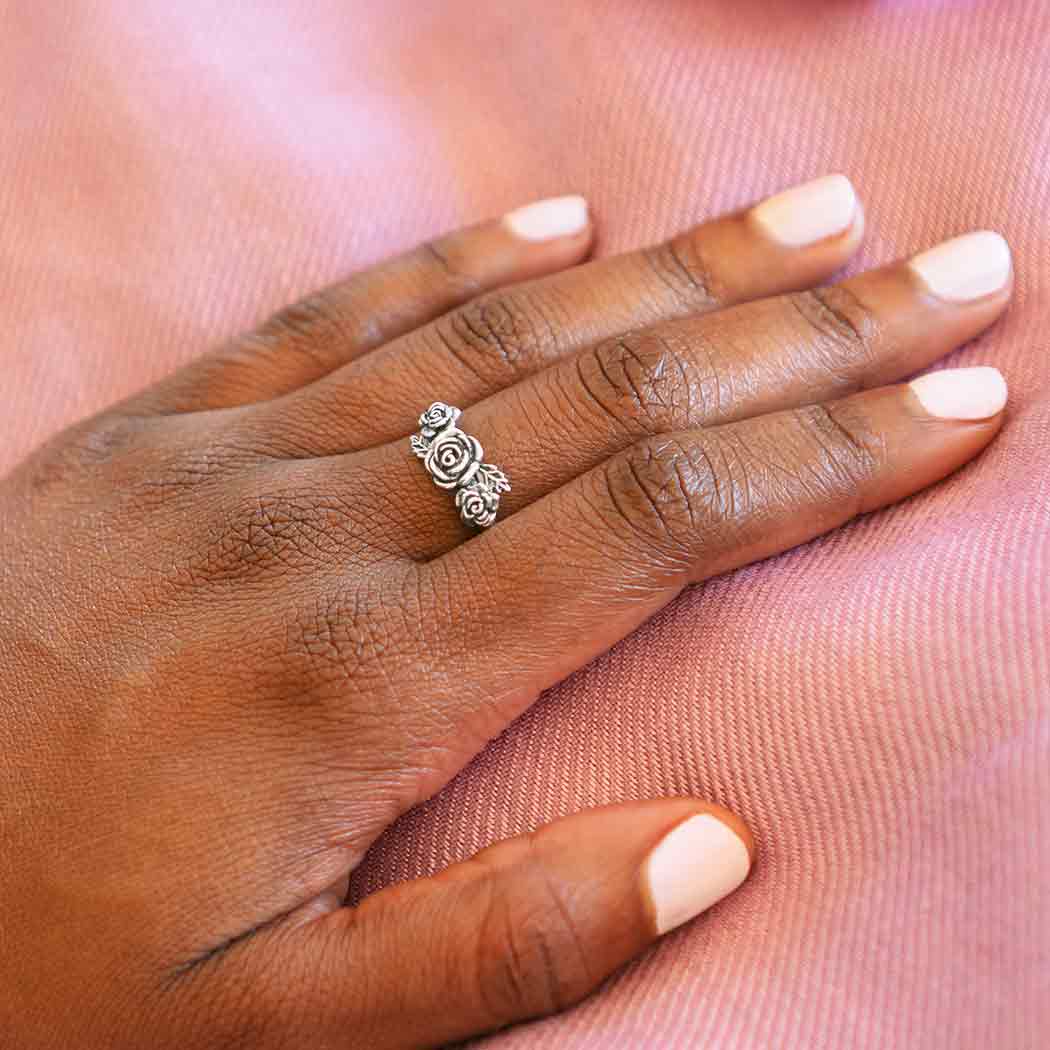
{"x":493,"y":478}
{"x":420,"y":446}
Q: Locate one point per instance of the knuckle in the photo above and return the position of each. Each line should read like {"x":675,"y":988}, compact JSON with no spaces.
{"x":849,"y":451}
{"x":84,"y":451}
{"x":146,"y":463}
{"x":272,"y":528}
{"x":293,"y":517}
{"x":841,"y":330}
{"x":679,"y":264}
{"x":645,"y":381}
{"x":257,"y":532}
{"x":532,"y":957}
{"x":316,"y":326}
{"x":350,"y":651}
{"x":668,"y":491}
{"x":437,"y":259}
{"x":341,"y":637}
{"x":498,"y":338}
{"x":101,"y":440}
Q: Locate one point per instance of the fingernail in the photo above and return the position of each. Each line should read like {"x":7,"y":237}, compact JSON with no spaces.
{"x":696,"y":864}
{"x":961,"y":393}
{"x":546,"y":220}
{"x":966,"y":267}
{"x":808,"y":213}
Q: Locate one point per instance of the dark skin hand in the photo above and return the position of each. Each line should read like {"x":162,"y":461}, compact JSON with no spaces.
{"x":243,"y":631}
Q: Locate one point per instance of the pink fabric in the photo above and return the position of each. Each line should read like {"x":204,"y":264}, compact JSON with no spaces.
{"x":876,"y":704}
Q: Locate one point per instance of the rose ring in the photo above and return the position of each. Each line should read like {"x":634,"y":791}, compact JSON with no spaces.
{"x":453,"y":460}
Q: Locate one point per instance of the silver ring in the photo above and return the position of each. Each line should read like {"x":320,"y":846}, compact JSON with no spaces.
{"x":453,"y":460}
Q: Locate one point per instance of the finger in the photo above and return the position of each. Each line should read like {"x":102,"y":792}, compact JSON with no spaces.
{"x":788,"y":242}
{"x":567,"y":577}
{"x":753,"y":359}
{"x":525,"y":928}
{"x":326,"y":330}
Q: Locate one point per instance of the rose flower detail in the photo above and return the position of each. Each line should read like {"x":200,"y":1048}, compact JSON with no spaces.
{"x":437,"y":418}
{"x":453,"y":458}
{"x":477,"y":505}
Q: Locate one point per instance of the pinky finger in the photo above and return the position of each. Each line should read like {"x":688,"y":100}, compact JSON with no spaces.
{"x":318,"y":334}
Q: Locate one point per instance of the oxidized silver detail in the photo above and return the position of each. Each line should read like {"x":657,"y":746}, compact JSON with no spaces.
{"x":454,"y":461}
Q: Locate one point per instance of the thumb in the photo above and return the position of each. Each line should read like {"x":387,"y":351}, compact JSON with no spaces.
{"x":525,"y":928}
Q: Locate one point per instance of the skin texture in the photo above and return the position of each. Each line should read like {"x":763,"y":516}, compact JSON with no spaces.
{"x":243,"y":632}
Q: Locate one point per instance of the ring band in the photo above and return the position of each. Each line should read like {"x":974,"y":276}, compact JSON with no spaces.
{"x":453,"y":460}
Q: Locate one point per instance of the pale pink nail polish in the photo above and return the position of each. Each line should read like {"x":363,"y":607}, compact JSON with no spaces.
{"x":548,"y":219}
{"x":692,"y":867}
{"x":809,"y":213}
{"x":965,"y":268}
{"x":961,"y":393}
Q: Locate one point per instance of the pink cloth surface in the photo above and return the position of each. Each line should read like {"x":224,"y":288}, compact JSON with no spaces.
{"x":876,"y":704}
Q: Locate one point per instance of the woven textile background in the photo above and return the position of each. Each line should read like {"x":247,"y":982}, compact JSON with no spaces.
{"x":876,"y":704}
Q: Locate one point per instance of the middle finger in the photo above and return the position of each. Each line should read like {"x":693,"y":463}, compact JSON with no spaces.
{"x":793,"y":240}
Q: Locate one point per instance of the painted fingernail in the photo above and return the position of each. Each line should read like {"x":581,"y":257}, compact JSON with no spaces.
{"x":966,"y":267}
{"x":546,"y":220}
{"x":961,"y":393}
{"x":808,"y":213}
{"x":692,"y":867}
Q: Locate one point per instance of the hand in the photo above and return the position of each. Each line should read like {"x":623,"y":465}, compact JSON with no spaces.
{"x":243,"y":630}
